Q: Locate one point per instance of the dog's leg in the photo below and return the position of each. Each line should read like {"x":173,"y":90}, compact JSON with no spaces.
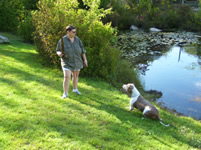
{"x":131,"y":108}
{"x":132,"y":101}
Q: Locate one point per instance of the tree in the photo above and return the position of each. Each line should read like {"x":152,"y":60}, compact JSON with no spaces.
{"x":14,"y":12}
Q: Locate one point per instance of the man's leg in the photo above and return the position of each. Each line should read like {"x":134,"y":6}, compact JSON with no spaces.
{"x":75,"y":81}
{"x":66,"y":82}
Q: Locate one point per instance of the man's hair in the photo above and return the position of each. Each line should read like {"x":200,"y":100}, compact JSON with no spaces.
{"x":70,"y":28}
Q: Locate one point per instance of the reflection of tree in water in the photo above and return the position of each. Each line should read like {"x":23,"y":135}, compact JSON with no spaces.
{"x":193,"y":49}
{"x":143,"y":62}
{"x":199,"y":51}
{"x":199,"y":55}
{"x":196,"y":51}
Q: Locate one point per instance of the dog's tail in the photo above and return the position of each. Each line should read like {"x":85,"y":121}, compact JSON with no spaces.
{"x":166,"y":125}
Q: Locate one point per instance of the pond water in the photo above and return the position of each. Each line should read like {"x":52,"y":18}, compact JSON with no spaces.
{"x":177,"y":74}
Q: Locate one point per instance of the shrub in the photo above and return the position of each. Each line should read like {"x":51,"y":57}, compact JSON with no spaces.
{"x":98,"y":38}
{"x":127,"y":19}
{"x":8,"y":13}
{"x":166,"y":18}
{"x":197,"y":20}
{"x":53,"y":16}
{"x":15,"y":16}
{"x":185,"y":17}
{"x":125,"y":74}
{"x":26,"y":28}
{"x":158,"y":13}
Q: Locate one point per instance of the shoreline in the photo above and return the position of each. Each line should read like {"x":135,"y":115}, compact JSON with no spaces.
{"x":134,"y":44}
{"x":155,"y":95}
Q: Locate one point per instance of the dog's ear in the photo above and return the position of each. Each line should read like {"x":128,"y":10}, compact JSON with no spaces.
{"x":130,"y":89}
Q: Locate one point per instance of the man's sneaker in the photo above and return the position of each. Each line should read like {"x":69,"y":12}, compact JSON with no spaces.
{"x":77,"y":92}
{"x":65,"y":95}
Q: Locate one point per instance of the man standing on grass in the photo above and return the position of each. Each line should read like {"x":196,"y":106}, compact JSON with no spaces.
{"x":72,"y":59}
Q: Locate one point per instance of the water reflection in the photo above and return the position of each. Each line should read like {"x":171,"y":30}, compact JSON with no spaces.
{"x":177,"y":74}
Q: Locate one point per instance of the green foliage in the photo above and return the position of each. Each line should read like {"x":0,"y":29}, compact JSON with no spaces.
{"x":164,"y":18}
{"x":125,"y":74}
{"x":105,"y":3}
{"x":186,"y":16}
{"x":29,"y":4}
{"x":198,"y":18}
{"x":53,"y":16}
{"x":16,"y":16}
{"x":126,"y":18}
{"x":26,"y":28}
{"x":122,"y":16}
{"x":8,"y":15}
{"x":158,"y":13}
{"x":102,"y":57}
{"x":98,"y":38}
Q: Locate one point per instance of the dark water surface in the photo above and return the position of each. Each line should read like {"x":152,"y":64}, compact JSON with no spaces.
{"x":177,"y":74}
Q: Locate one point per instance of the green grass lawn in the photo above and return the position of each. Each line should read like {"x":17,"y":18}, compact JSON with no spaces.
{"x":34,"y":116}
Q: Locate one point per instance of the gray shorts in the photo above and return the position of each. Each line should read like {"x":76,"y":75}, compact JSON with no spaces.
{"x":63,"y":68}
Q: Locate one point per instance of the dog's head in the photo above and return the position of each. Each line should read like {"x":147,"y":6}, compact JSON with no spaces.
{"x":128,"y":88}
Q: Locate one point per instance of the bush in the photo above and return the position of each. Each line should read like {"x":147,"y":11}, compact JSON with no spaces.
{"x":8,"y":13}
{"x":166,"y":18}
{"x":197,"y":20}
{"x":15,"y":16}
{"x":53,"y":16}
{"x":26,"y":28}
{"x":125,"y":74}
{"x":185,"y":17}
{"x":127,"y":18}
{"x":122,"y":17}
{"x":156,"y":13}
{"x":98,"y":39}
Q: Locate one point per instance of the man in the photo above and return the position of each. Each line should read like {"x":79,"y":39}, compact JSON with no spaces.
{"x":72,"y":60}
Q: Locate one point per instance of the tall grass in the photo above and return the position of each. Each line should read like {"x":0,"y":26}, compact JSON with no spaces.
{"x":33,"y":115}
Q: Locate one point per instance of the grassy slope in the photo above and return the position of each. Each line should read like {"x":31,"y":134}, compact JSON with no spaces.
{"x":33,"y":115}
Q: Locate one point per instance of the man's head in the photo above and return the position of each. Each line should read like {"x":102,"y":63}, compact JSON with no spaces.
{"x":71,"y":31}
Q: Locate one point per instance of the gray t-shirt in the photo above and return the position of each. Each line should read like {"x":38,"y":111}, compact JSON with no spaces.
{"x":72,"y":58}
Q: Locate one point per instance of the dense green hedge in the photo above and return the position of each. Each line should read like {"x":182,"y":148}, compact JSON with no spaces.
{"x":8,"y":15}
{"x":15,"y":16}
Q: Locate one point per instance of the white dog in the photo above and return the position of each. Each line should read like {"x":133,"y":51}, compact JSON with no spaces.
{"x":138,"y":102}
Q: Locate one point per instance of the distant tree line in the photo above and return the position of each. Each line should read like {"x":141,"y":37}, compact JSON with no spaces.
{"x":163,"y":14}
{"x":15,"y":15}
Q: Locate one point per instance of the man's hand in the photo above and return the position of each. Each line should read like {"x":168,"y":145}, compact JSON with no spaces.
{"x":85,"y":63}
{"x":60,"y":54}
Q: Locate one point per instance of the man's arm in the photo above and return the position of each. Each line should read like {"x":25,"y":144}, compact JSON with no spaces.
{"x":85,"y":59}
